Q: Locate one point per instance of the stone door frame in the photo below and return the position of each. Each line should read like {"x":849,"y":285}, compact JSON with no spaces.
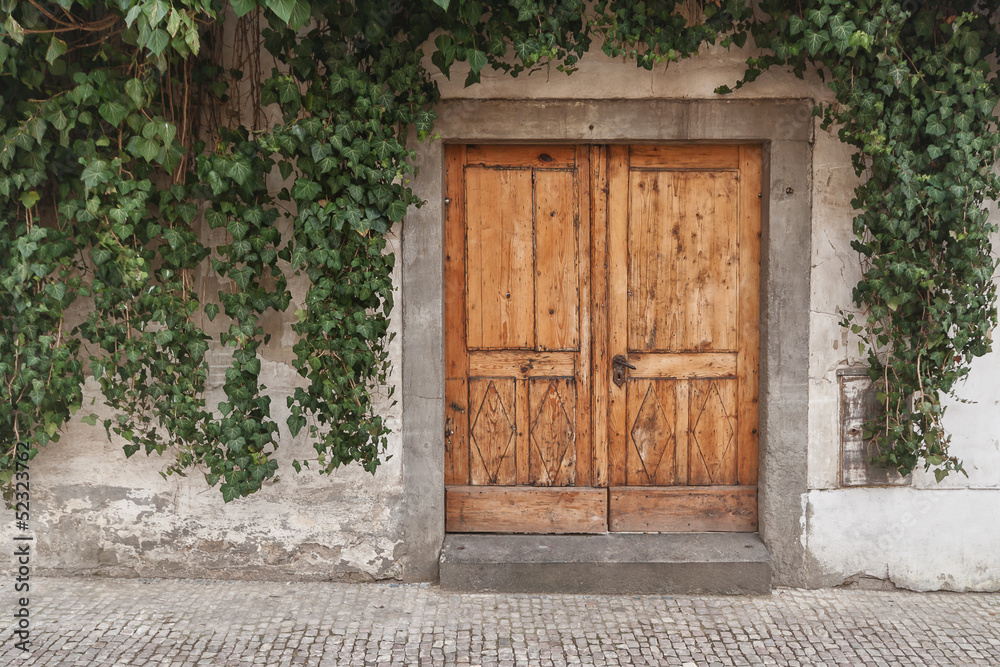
{"x":784,"y":129}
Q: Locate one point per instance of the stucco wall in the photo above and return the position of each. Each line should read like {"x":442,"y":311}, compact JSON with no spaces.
{"x":95,"y":511}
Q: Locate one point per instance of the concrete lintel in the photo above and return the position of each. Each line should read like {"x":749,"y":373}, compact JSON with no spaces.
{"x":593,"y":121}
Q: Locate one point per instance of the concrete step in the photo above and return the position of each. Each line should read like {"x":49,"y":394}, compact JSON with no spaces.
{"x":608,"y":564}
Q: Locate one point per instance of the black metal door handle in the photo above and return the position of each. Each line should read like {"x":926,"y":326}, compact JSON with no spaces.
{"x":619,"y":364}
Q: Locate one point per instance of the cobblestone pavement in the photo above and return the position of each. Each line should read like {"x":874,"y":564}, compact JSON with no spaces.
{"x":96,"y":622}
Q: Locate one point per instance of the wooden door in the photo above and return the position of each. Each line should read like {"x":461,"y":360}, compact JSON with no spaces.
{"x":517,"y":441}
{"x":559,"y":261}
{"x":684,"y":239}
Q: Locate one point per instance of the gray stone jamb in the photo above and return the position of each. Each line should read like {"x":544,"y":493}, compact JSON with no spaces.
{"x":784,"y":127}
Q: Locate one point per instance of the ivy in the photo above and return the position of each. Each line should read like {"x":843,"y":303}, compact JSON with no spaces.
{"x":169,"y":177}
{"x":915,"y":95}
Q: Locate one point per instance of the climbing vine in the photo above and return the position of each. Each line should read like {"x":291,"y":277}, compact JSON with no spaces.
{"x":168,"y":169}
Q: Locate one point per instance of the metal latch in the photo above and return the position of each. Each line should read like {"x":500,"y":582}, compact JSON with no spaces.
{"x":618,"y":365}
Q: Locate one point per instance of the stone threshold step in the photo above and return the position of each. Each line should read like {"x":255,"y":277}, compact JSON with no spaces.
{"x":607,"y":564}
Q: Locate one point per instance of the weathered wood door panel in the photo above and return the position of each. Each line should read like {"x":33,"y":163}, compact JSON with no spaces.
{"x":518,"y":341}
{"x":560,"y":260}
{"x":684,"y":238}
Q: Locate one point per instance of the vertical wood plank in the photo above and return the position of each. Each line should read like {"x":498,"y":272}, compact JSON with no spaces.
{"x":500,"y":296}
{"x":681,"y":428}
{"x":639,"y":434}
{"x":557,"y":277}
{"x":522,"y":409}
{"x":723,"y":331}
{"x":748,"y":345}
{"x":456,"y":356}
{"x":666,"y":467}
{"x":581,"y":207}
{"x":601,"y":361}
{"x":618,"y":221}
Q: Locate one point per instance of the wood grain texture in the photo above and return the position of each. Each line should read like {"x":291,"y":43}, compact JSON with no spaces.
{"x":521,"y":364}
{"x":557,"y":276}
{"x":581,"y":204}
{"x":748,"y":354}
{"x":651,"y":457}
{"x":682,"y":447}
{"x":683,"y":509}
{"x":686,"y":157}
{"x":601,"y":359}
{"x":500,"y":257}
{"x":682,"y":275}
{"x":492,"y":431}
{"x":456,"y":441}
{"x":618,"y":302}
{"x":539,"y":157}
{"x":684,"y":365}
{"x":522,"y":435}
{"x":471,"y":509}
{"x":712,"y":429}
{"x":552,"y":458}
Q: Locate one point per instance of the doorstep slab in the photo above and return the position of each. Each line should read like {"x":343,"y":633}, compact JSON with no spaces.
{"x":607,"y":564}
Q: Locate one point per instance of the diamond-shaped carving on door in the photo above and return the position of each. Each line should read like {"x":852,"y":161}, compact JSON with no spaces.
{"x":492,"y":438}
{"x":553,"y":440}
{"x":652,"y":439}
{"x":713,"y":431}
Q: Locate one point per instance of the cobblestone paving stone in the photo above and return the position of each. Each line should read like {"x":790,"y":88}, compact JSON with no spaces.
{"x":97,"y":622}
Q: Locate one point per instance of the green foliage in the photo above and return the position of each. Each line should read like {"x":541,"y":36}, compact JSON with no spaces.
{"x":140,"y":181}
{"x":915,"y":95}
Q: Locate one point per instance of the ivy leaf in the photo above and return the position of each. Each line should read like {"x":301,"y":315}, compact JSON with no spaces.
{"x":819,"y":16}
{"x":282,"y":8}
{"x":173,"y":237}
{"x":29,"y":199}
{"x":135,"y":90}
{"x":158,"y":41}
{"x":230,"y":492}
{"x":156,"y":10}
{"x":841,"y":30}
{"x":113,"y":112}
{"x":443,"y":4}
{"x":795,"y":24}
{"x":37,"y":392}
{"x":240,"y":171}
{"x":397,"y":210}
{"x":57,"y":47}
{"x":814,"y":41}
{"x":243,"y":7}
{"x":238,"y":228}
{"x":300,"y":15}
{"x":935,"y":127}
{"x":94,"y":173}
{"x":211,"y":310}
{"x":477,"y":60}
{"x":14,"y":29}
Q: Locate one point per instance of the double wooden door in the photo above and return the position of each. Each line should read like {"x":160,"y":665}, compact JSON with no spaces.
{"x":601,"y":338}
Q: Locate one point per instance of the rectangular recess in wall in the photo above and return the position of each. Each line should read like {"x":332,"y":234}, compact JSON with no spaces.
{"x":857,"y":403}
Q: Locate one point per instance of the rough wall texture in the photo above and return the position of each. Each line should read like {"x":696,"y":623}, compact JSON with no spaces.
{"x":94,"y":511}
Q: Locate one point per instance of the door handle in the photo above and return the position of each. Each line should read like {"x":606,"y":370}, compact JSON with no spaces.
{"x":619,"y":364}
